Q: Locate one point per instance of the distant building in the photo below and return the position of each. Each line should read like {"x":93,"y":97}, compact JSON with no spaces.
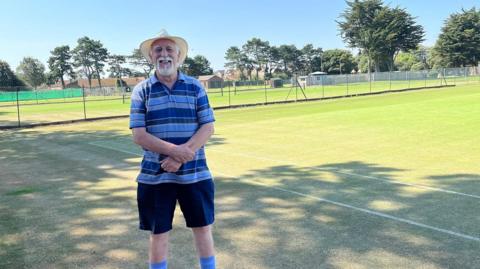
{"x":211,"y":81}
{"x":314,"y":78}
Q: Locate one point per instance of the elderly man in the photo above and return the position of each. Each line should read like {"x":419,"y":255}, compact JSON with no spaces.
{"x":171,"y":119}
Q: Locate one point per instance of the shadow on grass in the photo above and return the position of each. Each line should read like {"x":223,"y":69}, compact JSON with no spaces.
{"x":467,"y":182}
{"x":291,"y":217}
{"x":67,"y":203}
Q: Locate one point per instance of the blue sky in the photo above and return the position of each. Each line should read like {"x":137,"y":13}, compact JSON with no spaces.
{"x":35,"y":27}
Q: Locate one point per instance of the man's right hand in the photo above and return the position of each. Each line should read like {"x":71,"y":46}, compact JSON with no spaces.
{"x":182,"y":153}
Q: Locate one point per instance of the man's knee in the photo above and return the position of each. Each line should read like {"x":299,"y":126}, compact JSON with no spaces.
{"x":202,"y":230}
{"x":159,"y":238}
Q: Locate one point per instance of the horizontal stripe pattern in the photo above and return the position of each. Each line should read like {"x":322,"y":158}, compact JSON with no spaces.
{"x":173,"y":116}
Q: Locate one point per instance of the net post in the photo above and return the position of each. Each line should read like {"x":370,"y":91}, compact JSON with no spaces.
{"x":18,"y":109}
{"x":84,"y":107}
{"x":265,"y":86}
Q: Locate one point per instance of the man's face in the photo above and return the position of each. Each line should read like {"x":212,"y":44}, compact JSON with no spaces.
{"x":164,"y":54}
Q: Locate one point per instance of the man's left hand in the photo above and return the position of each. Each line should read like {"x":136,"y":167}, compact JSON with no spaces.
{"x":170,"y":165}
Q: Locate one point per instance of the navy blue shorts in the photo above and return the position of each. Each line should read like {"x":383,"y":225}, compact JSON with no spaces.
{"x":156,"y":204}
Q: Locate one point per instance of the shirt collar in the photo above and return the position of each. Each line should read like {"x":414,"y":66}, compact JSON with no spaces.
{"x":153,"y":79}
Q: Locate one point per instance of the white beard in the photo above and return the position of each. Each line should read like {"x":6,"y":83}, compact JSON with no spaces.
{"x":166,"y":71}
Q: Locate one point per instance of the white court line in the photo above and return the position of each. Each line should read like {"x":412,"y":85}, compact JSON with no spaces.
{"x":405,"y":183}
{"x":367,"y":211}
{"x":99,"y":144}
{"x":353,"y":174}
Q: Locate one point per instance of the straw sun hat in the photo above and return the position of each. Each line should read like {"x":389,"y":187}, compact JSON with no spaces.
{"x":146,"y":45}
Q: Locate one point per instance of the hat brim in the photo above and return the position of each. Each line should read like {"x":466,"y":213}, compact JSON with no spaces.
{"x":146,"y":45}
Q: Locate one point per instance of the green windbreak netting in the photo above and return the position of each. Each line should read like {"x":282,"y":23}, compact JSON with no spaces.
{"x":40,"y":95}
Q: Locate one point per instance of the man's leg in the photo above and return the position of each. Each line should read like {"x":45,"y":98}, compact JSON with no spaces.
{"x":197,"y":204}
{"x":158,"y":251}
{"x":156,"y":207}
{"x":204,"y":245}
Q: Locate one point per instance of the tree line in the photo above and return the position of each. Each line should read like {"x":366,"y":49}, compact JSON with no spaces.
{"x":386,"y":39}
{"x":87,"y":60}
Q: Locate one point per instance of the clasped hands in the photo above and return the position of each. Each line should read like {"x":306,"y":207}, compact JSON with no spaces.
{"x":179,"y":155}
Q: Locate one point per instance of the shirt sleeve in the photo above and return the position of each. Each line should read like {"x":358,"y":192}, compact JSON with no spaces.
{"x":138,"y":107}
{"x":204,"y":111}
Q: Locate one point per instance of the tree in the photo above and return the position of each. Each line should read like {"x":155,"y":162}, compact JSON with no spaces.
{"x":435,"y":59}
{"x":405,"y":61}
{"x":338,"y":61}
{"x":400,"y":33}
{"x":91,"y":56}
{"x":273,"y":62}
{"x":137,"y":59}
{"x":459,"y":41}
{"x":362,"y":63}
{"x":414,"y":60}
{"x":359,"y":29}
{"x":424,"y":54}
{"x":116,"y":69}
{"x":380,"y":32}
{"x":197,"y":66}
{"x":257,"y":52}
{"x":32,"y":71}
{"x":236,"y":60}
{"x":311,"y":58}
{"x":50,"y":78}
{"x":7,"y":77}
{"x":289,"y":58}
{"x":60,"y":65}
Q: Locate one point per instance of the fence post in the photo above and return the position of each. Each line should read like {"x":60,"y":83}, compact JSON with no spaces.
{"x":18,"y":110}
{"x":390,"y":80}
{"x":370,"y":80}
{"x":296,"y":88}
{"x":406,"y":78}
{"x":229,"y":101}
{"x":323,"y":87}
{"x":346,"y":75}
{"x":84,"y":107}
{"x":265,"y":84}
{"x":425,"y":75}
{"x":444,"y":78}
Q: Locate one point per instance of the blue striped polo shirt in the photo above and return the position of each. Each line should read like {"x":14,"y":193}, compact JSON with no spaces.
{"x":174,"y":116}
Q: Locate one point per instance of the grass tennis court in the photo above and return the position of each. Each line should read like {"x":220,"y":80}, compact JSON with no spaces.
{"x":389,"y":181}
{"x":51,"y":110}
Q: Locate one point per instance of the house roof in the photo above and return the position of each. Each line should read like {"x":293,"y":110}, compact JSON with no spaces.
{"x":317,"y":73}
{"x":106,"y":82}
{"x":209,"y":77}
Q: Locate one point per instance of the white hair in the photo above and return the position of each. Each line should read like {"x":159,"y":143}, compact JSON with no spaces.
{"x":177,"y":48}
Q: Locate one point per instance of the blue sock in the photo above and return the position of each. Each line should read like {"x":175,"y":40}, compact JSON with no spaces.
{"x":207,"y":262}
{"x":160,"y":265}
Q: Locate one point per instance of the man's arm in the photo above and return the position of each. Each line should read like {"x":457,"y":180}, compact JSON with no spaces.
{"x":201,"y":137}
{"x":181,"y":153}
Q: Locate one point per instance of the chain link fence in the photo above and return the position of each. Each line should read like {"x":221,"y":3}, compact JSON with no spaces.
{"x":24,"y":108}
